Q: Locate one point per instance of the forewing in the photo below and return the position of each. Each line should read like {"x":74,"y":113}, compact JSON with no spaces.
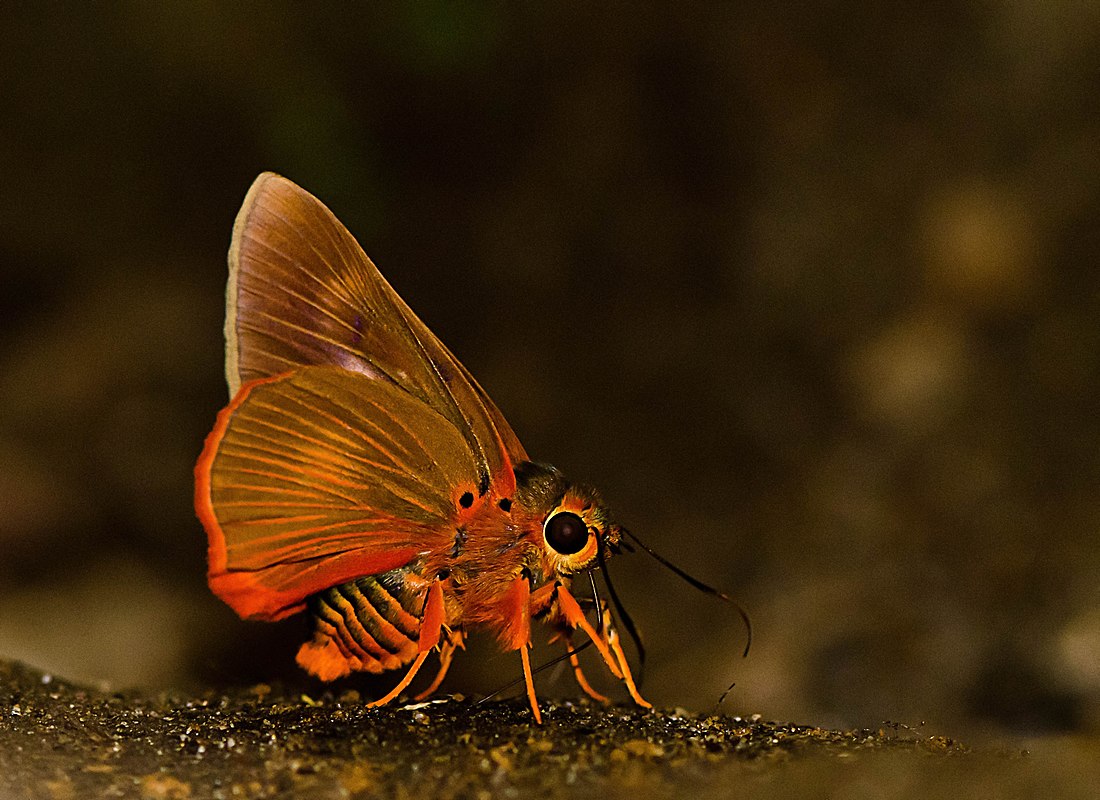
{"x":302,"y":291}
{"x":320,"y":476}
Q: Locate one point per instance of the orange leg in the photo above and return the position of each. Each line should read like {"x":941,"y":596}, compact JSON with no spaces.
{"x":527,"y":676}
{"x":571,"y":610}
{"x":628,"y":679}
{"x":400,"y":687}
{"x":431,"y":627}
{"x":606,"y":641}
{"x":518,"y":616}
{"x":446,"y":653}
{"x":583,"y":681}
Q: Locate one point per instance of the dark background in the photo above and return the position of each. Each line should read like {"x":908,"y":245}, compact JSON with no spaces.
{"x":810,"y":293}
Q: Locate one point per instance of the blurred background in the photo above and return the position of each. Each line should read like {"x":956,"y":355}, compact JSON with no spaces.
{"x":811,"y":294}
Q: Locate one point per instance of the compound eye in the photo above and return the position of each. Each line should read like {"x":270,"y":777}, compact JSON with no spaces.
{"x":566,"y":533}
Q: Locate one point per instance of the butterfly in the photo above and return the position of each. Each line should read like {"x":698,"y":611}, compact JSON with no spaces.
{"x":360,"y":474}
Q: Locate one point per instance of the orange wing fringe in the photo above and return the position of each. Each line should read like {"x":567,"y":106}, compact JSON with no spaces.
{"x":325,"y":660}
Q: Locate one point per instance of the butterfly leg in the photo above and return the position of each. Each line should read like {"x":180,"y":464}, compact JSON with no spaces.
{"x":529,"y":677}
{"x":575,"y":618}
{"x":446,"y":653}
{"x":578,"y":673}
{"x":564,"y":635}
{"x":582,"y":681}
{"x":606,"y":641}
{"x":431,"y":627}
{"x":620,"y":656}
{"x":517,"y":633}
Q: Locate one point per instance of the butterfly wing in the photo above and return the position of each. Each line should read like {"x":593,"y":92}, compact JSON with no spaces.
{"x":302,"y":291}
{"x":352,"y":430}
{"x":320,"y":476}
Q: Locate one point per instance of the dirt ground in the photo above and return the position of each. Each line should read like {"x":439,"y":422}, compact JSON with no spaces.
{"x":61,"y":741}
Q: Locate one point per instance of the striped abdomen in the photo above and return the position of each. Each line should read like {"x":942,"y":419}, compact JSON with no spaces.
{"x":371,"y":624}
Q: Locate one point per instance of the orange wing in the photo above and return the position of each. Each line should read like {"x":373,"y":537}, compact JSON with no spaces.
{"x":320,"y":476}
{"x":301,"y":291}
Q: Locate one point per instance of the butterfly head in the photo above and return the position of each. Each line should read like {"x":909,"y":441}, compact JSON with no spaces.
{"x":575,"y":521}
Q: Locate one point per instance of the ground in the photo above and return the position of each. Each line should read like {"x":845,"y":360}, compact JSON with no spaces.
{"x":60,"y":741}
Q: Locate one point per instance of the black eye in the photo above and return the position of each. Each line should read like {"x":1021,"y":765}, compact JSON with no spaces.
{"x":566,"y":533}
